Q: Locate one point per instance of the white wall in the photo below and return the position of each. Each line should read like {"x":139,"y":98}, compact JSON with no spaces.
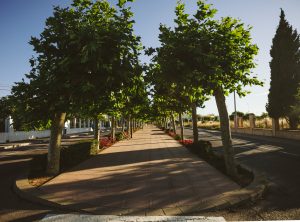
{"x":79,"y":130}
{"x":23,"y":135}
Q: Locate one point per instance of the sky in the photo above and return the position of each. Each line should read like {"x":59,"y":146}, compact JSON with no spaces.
{"x":19,"y":20}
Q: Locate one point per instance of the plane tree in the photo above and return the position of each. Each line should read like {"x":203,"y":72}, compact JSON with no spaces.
{"x":85,"y":51}
{"x":166,"y":96}
{"x":207,"y":57}
{"x":229,"y":57}
{"x":181,"y":63}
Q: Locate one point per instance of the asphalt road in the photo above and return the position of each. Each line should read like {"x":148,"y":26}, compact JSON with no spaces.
{"x":14,"y":162}
{"x":279,"y":160}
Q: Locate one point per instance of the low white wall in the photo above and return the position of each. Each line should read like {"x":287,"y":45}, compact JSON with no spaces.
{"x":24,"y":135}
{"x":286,"y":134}
{"x":79,"y":130}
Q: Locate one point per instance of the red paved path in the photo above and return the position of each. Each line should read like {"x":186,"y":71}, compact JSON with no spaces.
{"x":150,"y":174}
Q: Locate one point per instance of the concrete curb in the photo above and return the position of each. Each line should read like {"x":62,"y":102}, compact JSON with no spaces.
{"x":13,"y":146}
{"x":30,"y":193}
{"x":252,"y":192}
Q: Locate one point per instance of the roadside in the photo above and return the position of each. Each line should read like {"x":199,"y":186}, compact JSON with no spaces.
{"x":14,"y":162}
{"x":278,"y":160}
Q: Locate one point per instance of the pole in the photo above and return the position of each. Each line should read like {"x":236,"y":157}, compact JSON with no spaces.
{"x":235,"y":113}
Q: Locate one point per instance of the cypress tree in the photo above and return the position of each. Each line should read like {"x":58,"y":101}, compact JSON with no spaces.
{"x":284,"y":72}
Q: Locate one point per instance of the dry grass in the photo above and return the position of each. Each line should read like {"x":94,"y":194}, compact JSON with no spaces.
{"x":265,"y":123}
{"x":209,"y":125}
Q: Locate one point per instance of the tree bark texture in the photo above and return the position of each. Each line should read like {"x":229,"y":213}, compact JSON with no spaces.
{"x":53,"y":157}
{"x":166,"y":122}
{"x":97,"y":128}
{"x":276,"y":121}
{"x":173,"y":123}
{"x":226,"y":134}
{"x":194,"y":117}
{"x":129,"y":130}
{"x":181,"y":126}
{"x":113,"y":128}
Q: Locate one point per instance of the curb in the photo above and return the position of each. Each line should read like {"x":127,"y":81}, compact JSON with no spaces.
{"x":252,"y":192}
{"x":30,"y":193}
{"x":13,"y":146}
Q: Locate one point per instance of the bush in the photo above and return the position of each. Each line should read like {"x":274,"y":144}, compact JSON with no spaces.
{"x":119,"y":136}
{"x":185,"y":142}
{"x":177,"y":137}
{"x":76,"y":153}
{"x":201,"y":148}
{"x":38,"y":166}
{"x":204,"y":151}
{"x":106,"y":142}
{"x":70,"y":156}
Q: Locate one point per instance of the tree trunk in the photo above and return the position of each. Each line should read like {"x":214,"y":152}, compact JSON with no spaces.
{"x":194,"y":117}
{"x":129,"y":131}
{"x":226,"y":134}
{"x":133,"y":124}
{"x":113,"y":128}
{"x":53,"y":157}
{"x":173,"y":123}
{"x":276,"y":124}
{"x":97,"y":130}
{"x":123,"y":125}
{"x":131,"y":128}
{"x":181,"y":126}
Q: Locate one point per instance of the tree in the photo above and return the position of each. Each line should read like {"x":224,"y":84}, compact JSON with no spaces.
{"x":167,"y":96}
{"x":5,"y":111}
{"x":181,"y":64}
{"x":285,"y":72}
{"x":209,"y":57}
{"x":84,"y":51}
{"x":231,"y":61}
{"x":239,"y":114}
{"x":295,"y":109}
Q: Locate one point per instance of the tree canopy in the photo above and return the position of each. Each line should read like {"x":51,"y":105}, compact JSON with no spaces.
{"x":285,"y":72}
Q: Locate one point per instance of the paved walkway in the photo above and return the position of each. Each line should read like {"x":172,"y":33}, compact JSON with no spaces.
{"x":151,"y":174}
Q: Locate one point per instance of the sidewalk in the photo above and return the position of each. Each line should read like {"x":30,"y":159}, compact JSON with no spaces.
{"x":151,"y":174}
